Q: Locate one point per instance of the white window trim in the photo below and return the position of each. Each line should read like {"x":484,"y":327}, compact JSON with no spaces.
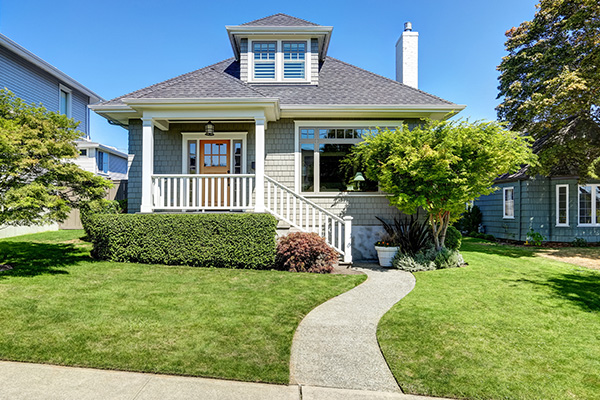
{"x":593,"y":211}
{"x":63,"y":88}
{"x":231,"y":136}
{"x":504,"y":190}
{"x":558,"y":224}
{"x":331,"y":124}
{"x":279,"y":60}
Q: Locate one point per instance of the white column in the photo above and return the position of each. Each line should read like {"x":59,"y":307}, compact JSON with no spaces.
{"x":259,"y":164}
{"x":147,"y":164}
{"x":348,"y":240}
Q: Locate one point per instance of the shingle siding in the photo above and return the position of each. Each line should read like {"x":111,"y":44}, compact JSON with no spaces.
{"x":134,"y":189}
{"x":314,"y":61}
{"x":244,"y":60}
{"x":535,"y":208}
{"x":34,"y":85}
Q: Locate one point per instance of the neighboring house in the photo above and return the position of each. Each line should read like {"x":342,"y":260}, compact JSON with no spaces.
{"x":102,"y":160}
{"x":265,"y":131}
{"x":558,"y":207}
{"x":35,"y":81}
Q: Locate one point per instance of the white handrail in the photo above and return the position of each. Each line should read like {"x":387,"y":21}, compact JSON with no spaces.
{"x":307,"y":216}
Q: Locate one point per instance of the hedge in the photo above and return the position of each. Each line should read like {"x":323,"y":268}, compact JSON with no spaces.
{"x":202,"y":240}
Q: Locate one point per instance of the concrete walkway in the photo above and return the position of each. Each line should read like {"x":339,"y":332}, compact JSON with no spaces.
{"x":22,"y":381}
{"x":336,"y":346}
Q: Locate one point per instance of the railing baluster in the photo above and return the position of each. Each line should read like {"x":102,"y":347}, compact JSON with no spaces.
{"x":219,"y":180}
{"x":320,"y":223}
{"x":340,"y":235}
{"x":244,"y":194}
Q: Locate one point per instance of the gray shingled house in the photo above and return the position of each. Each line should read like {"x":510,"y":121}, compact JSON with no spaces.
{"x":265,"y":131}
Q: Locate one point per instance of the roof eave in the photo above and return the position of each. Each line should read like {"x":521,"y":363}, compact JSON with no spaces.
{"x":440,"y":112}
{"x":32,"y":58}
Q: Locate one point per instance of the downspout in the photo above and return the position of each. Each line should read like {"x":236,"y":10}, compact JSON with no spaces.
{"x":520,"y":207}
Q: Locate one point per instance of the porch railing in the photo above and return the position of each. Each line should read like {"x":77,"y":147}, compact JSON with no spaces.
{"x":307,"y":216}
{"x":203,"y":192}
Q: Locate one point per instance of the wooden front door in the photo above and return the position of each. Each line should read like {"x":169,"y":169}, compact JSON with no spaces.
{"x":215,"y":159}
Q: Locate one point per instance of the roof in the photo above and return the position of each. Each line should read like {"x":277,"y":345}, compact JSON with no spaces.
{"x":32,"y":58}
{"x":340,"y":83}
{"x":88,"y":144}
{"x":279,"y":20}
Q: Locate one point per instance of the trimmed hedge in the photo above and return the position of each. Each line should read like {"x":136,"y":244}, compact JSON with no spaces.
{"x":200,"y":240}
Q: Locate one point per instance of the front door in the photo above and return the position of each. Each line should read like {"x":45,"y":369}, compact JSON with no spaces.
{"x":215,"y":159}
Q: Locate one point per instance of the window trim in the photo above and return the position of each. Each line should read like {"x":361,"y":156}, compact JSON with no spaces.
{"x":104,"y":162}
{"x":595,"y":187}
{"x":357,"y":124}
{"x":279,"y":61}
{"x":558,"y":223}
{"x":69,"y":92}
{"x":231,"y":136}
{"x":504,"y":190}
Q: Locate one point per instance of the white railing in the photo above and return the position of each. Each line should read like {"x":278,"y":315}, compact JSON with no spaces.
{"x":203,"y":192}
{"x":307,"y":216}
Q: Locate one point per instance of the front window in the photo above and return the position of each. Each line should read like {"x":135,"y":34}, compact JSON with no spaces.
{"x":264,"y":59}
{"x":509,"y":202}
{"x":562,"y":205}
{"x":321,"y":153}
{"x":294,"y":59}
{"x":589,"y":205}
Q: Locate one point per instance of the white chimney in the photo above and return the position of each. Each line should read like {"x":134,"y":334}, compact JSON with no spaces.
{"x":407,"y":57}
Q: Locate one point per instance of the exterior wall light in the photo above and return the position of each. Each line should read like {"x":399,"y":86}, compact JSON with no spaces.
{"x":209,"y":129}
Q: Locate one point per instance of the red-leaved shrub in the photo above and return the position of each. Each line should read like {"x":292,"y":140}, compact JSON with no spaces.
{"x":305,"y":252}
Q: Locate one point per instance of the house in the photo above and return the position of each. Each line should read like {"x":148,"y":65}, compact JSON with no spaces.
{"x":102,"y":160}
{"x":265,"y":131}
{"x":557,"y":207}
{"x":35,"y":81}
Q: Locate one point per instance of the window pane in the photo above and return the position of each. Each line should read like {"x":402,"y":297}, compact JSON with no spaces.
{"x":293,"y":70}
{"x":215,"y":161}
{"x":585,"y":205}
{"x":562,"y":205}
{"x":333,"y":177}
{"x":264,"y":60}
{"x":222,"y":161}
{"x":308,"y":167}
{"x":237,"y":157}
{"x":223,"y":148}
{"x":307,"y":133}
{"x":64,"y":102}
{"x":206,"y":148}
{"x":207,"y":161}
{"x":340,"y":133}
{"x":509,"y":203}
{"x":264,"y":70}
{"x":349,"y":133}
{"x":192,"y":156}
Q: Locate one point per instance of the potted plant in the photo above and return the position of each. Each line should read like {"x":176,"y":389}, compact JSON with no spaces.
{"x":386,"y":250}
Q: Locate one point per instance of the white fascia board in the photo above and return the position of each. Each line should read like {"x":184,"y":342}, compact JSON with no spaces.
{"x":96,"y":145}
{"x":400,"y":111}
{"x":52,"y":70}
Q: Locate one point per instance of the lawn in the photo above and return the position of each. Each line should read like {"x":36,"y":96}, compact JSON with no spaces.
{"x":510,"y":325}
{"x":61,"y":307}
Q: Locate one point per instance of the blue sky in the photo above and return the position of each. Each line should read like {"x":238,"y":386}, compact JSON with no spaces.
{"x":116,"y":47}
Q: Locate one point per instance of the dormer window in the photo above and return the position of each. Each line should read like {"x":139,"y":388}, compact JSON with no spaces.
{"x":294,"y":60}
{"x":279,"y":61}
{"x":264,"y":60}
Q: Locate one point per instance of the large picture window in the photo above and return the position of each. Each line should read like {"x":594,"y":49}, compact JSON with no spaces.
{"x":589,"y":205}
{"x":321,"y":153}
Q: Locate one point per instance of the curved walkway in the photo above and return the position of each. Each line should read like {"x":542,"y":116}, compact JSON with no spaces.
{"x":336,"y":346}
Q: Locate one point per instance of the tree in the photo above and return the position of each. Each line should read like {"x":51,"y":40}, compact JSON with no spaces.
{"x":38,"y":183}
{"x":440,"y":166}
{"x":550,"y":85}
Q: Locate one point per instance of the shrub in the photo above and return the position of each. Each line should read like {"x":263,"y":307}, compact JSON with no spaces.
{"x":101,"y":206}
{"x":491,"y":238}
{"x":428,"y":260}
{"x":534,"y":238}
{"x":470,"y":220}
{"x":202,"y":240}
{"x":579,"y":242}
{"x":453,"y":238}
{"x":411,"y":235}
{"x":305,"y":252}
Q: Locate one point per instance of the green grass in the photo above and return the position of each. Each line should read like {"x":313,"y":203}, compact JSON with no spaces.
{"x":510,"y":325}
{"x":61,"y":307}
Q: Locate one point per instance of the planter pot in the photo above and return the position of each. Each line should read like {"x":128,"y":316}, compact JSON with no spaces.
{"x":385,"y":255}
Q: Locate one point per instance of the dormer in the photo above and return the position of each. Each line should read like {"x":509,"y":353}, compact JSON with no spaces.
{"x":279,"y":49}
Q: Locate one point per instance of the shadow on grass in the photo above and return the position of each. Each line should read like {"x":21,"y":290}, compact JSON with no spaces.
{"x":582,"y":290}
{"x":31,"y":259}
{"x":499,"y":249}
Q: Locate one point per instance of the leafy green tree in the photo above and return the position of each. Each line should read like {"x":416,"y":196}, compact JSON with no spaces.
{"x":38,"y":183}
{"x":440,"y":166}
{"x":550,"y":85}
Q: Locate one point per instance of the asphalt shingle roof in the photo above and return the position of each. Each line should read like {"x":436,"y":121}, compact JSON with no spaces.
{"x":340,"y":83}
{"x":280,"y":20}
